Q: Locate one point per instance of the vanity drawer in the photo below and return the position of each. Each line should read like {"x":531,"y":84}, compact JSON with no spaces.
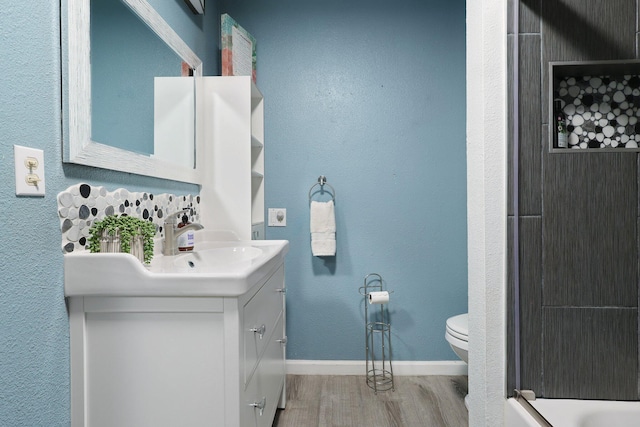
{"x":259,"y":319}
{"x":263,"y":390}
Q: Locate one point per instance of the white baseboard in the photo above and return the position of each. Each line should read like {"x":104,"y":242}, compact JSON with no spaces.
{"x":357,"y":367}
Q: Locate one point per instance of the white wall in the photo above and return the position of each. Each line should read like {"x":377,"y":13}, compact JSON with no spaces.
{"x":486,"y":203}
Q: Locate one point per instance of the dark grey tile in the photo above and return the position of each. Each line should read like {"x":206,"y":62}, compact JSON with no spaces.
{"x":585,"y":247}
{"x":583,"y":30}
{"x":510,"y":16}
{"x":544,"y":146}
{"x":530,"y":16}
{"x":530,"y":163}
{"x":511,"y":337}
{"x":588,"y":29}
{"x":590,"y":253}
{"x":530,"y":119}
{"x":510,"y":124}
{"x":530,"y":259}
{"x":638,"y":180}
{"x":590,"y":353}
{"x":531,"y":302}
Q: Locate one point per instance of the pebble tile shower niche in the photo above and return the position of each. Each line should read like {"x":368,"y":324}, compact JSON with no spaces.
{"x":600,"y":102}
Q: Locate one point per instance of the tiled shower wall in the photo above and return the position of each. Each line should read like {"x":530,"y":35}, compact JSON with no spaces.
{"x":578,"y":218}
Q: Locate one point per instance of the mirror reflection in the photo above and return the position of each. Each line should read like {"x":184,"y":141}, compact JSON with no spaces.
{"x":94,"y":64}
{"x":136,"y":83}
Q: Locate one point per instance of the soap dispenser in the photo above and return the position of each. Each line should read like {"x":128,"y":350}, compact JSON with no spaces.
{"x":186,"y":241}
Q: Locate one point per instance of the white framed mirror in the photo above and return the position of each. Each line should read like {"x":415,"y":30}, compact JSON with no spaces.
{"x":80,"y":146}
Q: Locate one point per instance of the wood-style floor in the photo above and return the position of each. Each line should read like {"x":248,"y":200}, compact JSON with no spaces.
{"x":341,"y":401}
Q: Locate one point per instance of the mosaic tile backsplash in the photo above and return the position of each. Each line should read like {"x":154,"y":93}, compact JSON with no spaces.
{"x":82,"y":204}
{"x":601,"y":111}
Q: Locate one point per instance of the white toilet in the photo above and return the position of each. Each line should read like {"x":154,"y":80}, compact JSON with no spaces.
{"x":457,"y":335}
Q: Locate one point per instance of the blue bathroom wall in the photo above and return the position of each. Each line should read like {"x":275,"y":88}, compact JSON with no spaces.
{"x":368,"y":94}
{"x":371,"y":94}
{"x":34,"y":329}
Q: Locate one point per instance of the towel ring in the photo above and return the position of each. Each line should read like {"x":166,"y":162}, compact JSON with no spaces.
{"x":322,"y":181}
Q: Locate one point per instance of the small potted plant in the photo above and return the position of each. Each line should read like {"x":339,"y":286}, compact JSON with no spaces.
{"x":123,"y":233}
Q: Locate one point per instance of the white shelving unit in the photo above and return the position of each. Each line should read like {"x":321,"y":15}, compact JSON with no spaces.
{"x":233,"y":128}
{"x":257,"y":163}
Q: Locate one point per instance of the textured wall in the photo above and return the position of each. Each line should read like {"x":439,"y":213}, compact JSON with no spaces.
{"x":486,"y":180}
{"x":34,"y":335}
{"x":578,"y":219}
{"x":368,"y":94}
{"x":372,"y":95}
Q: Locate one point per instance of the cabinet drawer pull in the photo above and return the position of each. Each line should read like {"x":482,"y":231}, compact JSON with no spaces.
{"x":260,"y":405}
{"x":283,"y":341}
{"x":259,"y":330}
{"x":282,"y":290}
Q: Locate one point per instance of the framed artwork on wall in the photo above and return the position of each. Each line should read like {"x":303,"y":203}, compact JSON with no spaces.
{"x":238,"y":49}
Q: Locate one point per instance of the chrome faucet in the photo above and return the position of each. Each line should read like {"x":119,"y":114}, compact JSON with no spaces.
{"x":172,"y":232}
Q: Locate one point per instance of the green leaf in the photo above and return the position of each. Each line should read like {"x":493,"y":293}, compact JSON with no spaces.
{"x":126,"y":227}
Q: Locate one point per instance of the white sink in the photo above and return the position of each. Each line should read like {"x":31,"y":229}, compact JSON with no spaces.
{"x":212,"y":260}
{"x":215,"y":268}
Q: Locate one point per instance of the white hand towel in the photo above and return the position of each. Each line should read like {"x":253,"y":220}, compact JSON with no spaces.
{"x":323,"y":244}
{"x":323,"y":228}
{"x":322,"y":217}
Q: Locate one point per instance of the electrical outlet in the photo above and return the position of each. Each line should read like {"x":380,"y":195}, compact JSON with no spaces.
{"x":29,"y":167}
{"x":277,"y":217}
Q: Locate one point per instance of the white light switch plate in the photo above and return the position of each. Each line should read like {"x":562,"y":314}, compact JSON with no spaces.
{"x":29,"y":167}
{"x":277,"y":217}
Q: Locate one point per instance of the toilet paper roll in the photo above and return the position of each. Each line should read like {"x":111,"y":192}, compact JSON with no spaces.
{"x":378,"y":297}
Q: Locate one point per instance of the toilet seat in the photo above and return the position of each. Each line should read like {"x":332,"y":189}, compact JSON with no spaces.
{"x":458,"y":327}
{"x":457,"y":334}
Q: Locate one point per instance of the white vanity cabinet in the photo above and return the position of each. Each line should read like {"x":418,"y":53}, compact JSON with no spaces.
{"x":262,"y":353}
{"x":232,"y":117}
{"x":179,"y":360}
